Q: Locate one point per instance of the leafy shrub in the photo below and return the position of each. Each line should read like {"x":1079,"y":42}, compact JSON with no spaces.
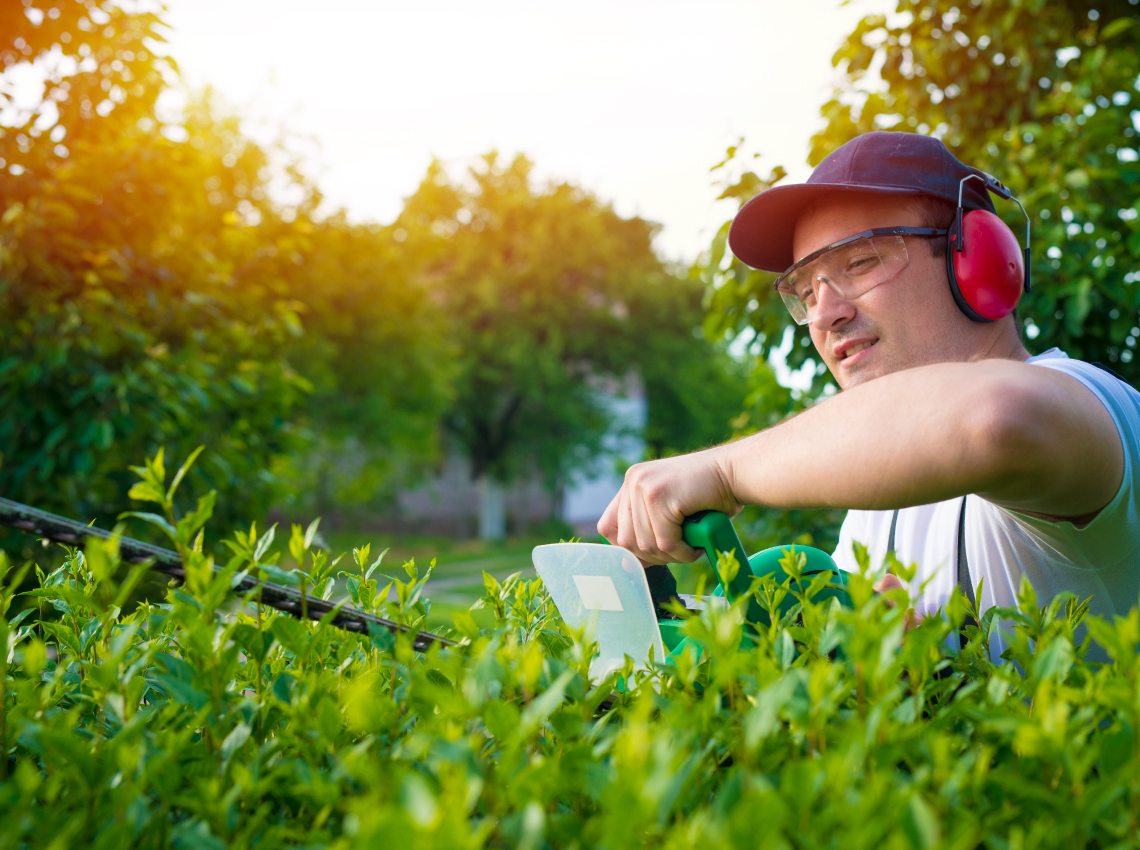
{"x":204,"y":722}
{"x":169,"y":284}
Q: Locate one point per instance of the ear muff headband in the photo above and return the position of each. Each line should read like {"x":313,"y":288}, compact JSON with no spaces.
{"x":988,"y":270}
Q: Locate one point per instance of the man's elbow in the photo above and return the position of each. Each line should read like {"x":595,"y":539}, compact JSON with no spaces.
{"x":1008,"y":435}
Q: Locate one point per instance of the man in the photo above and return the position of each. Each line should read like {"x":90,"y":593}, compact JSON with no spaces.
{"x":935,"y":405}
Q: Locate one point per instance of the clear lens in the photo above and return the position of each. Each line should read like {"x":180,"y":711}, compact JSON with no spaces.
{"x":849,"y":270}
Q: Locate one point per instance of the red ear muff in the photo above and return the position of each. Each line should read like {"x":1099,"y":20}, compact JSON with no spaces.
{"x":988,"y":275}
{"x":987,"y":269}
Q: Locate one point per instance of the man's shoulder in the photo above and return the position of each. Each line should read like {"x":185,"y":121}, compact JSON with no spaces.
{"x":1084,"y":370}
{"x":1113,"y":391}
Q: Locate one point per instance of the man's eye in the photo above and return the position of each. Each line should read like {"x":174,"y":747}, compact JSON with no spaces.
{"x":860,"y":264}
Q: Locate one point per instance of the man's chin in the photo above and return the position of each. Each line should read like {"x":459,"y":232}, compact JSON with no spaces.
{"x":861,"y":373}
{"x":868,"y":366}
{"x":857,"y":377}
{"x":848,"y":378}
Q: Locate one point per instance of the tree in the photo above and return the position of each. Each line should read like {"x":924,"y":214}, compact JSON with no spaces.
{"x":376,"y":350}
{"x":124,"y":324}
{"x":549,"y":295}
{"x":152,"y":293}
{"x":695,"y":390}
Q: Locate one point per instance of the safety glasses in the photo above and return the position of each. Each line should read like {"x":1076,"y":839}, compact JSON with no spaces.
{"x":851,"y":267}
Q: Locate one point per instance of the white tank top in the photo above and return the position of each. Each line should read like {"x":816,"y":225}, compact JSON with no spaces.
{"x":1100,"y":560}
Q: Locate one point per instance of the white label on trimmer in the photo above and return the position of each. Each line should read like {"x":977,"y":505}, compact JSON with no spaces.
{"x":598,"y":593}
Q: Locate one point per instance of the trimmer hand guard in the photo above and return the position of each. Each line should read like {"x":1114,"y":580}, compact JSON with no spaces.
{"x":713,"y":532}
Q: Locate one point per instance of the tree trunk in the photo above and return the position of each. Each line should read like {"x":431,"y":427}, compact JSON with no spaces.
{"x":492,"y":509}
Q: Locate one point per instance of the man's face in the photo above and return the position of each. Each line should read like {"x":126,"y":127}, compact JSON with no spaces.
{"x":908,"y":320}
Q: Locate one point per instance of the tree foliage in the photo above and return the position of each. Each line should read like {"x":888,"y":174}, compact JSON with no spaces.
{"x":134,"y":311}
{"x":376,"y":349}
{"x":552,"y":299}
{"x":197,"y":722}
{"x":174,"y":284}
{"x":153,"y":291}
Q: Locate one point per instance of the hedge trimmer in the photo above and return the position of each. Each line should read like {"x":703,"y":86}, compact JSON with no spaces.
{"x":600,"y":585}
{"x":287,"y":600}
{"x":627,"y":607}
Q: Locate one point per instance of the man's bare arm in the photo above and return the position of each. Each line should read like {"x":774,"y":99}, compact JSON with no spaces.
{"x":1021,"y":436}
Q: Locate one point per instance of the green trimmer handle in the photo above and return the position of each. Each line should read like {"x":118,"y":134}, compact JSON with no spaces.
{"x":713,"y":532}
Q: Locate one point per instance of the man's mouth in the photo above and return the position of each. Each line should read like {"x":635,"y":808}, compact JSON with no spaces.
{"x":848,"y":354}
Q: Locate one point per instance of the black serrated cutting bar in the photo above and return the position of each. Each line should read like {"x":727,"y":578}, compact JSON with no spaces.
{"x":284,"y":599}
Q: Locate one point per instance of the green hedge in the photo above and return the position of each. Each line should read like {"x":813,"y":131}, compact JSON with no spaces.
{"x":199,"y":722}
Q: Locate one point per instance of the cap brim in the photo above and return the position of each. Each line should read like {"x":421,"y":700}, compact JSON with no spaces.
{"x":761,"y":235}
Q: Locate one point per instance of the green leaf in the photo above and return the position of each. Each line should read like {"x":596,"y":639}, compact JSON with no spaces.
{"x":147,"y":491}
{"x":727,"y":567}
{"x":75,"y":599}
{"x":190,"y":524}
{"x":283,"y":688}
{"x":786,"y":649}
{"x":63,"y":636}
{"x":255,"y":643}
{"x":264,"y":543}
{"x":922,"y":823}
{"x":494,"y":589}
{"x":374,"y":565}
{"x":291,"y":634}
{"x":545,"y":704}
{"x":194,"y":834}
{"x":182,"y":470}
{"x":180,"y":691}
{"x":501,"y":719}
{"x":1055,"y":661}
{"x":277,"y":575}
{"x":87,"y":633}
{"x":311,"y":532}
{"x":234,"y":741}
{"x":1114,"y":28}
{"x":153,"y":519}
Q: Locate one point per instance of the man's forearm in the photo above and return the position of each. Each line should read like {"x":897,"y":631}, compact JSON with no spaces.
{"x":920,"y":436}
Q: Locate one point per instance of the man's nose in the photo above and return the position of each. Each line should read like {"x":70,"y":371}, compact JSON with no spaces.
{"x":832,"y":310}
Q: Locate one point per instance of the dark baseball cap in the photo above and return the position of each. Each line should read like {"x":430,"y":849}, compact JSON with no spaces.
{"x":882,"y":163}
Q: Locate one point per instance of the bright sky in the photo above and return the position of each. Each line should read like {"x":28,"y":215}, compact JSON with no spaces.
{"x":633,"y":99}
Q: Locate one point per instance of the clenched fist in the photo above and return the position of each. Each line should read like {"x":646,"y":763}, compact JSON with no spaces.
{"x":646,"y":514}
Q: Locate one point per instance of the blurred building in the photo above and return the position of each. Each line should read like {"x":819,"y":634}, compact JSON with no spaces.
{"x":455,"y":505}
{"x":586,"y":497}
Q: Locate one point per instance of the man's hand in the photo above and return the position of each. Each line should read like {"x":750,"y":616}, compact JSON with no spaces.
{"x":645,"y":516}
{"x":892,"y":582}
